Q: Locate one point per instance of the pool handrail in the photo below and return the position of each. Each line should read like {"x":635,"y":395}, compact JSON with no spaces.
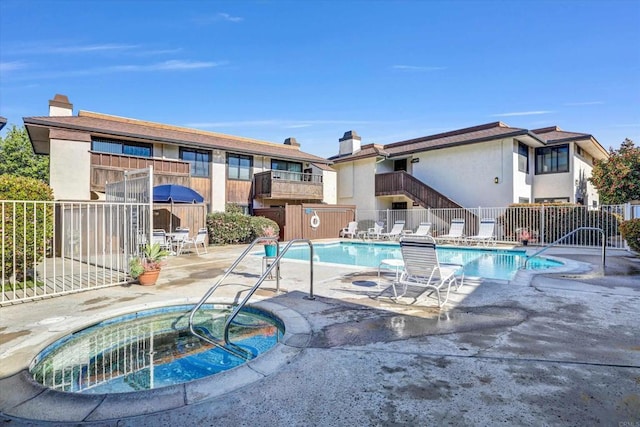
{"x":267,"y":272}
{"x":604,"y":243}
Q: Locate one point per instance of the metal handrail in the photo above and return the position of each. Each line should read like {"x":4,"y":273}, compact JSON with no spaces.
{"x":567,"y":235}
{"x":273,"y":265}
{"x":262,"y":278}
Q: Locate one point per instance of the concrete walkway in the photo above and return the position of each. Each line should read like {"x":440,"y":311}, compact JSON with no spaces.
{"x":551,"y":349}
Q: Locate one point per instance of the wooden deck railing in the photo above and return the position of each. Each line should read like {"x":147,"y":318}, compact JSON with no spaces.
{"x":275,"y":184}
{"x":400,"y":182}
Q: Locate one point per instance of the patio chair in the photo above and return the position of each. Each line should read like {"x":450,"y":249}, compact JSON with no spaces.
{"x":455,"y":234}
{"x":424,"y":229}
{"x":423,"y":270}
{"x":199,"y":239}
{"x":350,"y":230}
{"x":485,"y":233}
{"x":396,"y":231}
{"x":178,"y":240}
{"x":374,"y":233}
{"x":159,"y":236}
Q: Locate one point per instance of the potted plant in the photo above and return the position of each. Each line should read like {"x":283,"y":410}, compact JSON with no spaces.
{"x":270,"y":246}
{"x":146,"y":267}
{"x":524,"y":236}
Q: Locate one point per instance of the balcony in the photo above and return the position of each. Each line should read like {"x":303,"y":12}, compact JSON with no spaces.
{"x":283,"y":185}
{"x":107,"y":167}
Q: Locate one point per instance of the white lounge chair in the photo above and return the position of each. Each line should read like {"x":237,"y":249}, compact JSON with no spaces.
{"x":456,"y":232}
{"x":200,"y":239}
{"x":179,"y":237}
{"x":423,"y":270}
{"x":396,"y":231}
{"x":159,"y":236}
{"x":485,"y":233}
{"x":374,"y":233}
{"x":424,"y":229}
{"x":350,"y":230}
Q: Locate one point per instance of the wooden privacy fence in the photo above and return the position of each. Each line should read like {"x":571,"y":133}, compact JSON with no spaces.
{"x":295,"y":220}
{"x":184,"y":215}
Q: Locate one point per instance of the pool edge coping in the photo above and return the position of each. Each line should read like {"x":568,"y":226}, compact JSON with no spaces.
{"x":22,"y":397}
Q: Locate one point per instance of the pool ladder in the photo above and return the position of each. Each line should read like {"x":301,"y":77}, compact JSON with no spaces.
{"x":604,"y":243}
{"x":225,"y":344}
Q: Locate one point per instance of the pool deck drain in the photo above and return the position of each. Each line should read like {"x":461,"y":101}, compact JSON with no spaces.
{"x":542,"y":350}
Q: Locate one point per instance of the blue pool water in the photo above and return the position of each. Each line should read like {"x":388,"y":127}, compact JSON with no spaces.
{"x":488,"y":263}
{"x":151,"y":349}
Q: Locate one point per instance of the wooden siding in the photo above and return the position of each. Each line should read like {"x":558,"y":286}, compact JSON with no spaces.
{"x":239,"y":192}
{"x":202,"y":186}
{"x":107,"y":167}
{"x":295,"y":220}
{"x":287,"y":186}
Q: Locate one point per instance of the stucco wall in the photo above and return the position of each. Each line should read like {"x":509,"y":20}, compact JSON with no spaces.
{"x":218,"y":181}
{"x":356,"y":183}
{"x":70,"y":169}
{"x":329,"y":186}
{"x":466,"y":173}
{"x":522,"y":181}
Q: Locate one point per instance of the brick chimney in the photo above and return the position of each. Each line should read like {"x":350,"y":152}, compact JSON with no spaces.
{"x":350,"y":143}
{"x":292,"y":141}
{"x":60,"y":106}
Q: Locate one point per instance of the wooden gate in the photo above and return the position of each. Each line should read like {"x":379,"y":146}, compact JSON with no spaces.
{"x":295,"y":220}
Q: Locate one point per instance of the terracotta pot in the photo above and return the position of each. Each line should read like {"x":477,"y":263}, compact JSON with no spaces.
{"x":149,"y":278}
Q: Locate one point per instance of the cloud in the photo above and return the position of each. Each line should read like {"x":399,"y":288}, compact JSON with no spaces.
{"x":218,"y":17}
{"x":522,"y":113}
{"x":12,"y":66}
{"x":416,"y":68}
{"x":580,"y":104}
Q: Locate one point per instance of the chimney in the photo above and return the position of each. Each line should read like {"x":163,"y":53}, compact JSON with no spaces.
{"x":292,"y":142}
{"x":349,"y":143}
{"x":60,"y":106}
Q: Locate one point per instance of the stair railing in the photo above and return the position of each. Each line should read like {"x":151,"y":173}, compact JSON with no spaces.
{"x":604,"y":243}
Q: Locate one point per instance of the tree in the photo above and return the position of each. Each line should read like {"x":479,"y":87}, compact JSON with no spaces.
{"x":617,"y":178}
{"x":17,"y":157}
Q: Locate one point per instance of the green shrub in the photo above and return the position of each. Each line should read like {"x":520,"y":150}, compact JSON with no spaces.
{"x":630,"y":230}
{"x":27,"y":227}
{"x":233,"y":227}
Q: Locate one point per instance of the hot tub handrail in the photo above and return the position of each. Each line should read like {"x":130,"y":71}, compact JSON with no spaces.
{"x":215,"y":286}
{"x":273,"y":265}
{"x":567,"y":235}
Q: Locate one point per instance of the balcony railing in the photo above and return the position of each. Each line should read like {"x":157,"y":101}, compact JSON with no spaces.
{"x":275,"y":184}
{"x":107,"y":167}
{"x":394,"y":183}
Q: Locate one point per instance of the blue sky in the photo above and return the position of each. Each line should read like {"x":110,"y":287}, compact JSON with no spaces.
{"x":390,"y":70}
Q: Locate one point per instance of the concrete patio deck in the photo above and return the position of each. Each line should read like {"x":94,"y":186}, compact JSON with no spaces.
{"x":549,"y":349}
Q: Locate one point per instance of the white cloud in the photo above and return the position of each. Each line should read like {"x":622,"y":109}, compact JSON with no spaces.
{"x":226,"y":17}
{"x":522,"y":113}
{"x":580,"y":104}
{"x":12,"y":66}
{"x":218,"y":17}
{"x":416,"y":68}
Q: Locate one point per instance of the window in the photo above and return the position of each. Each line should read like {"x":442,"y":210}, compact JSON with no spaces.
{"x":239,"y":167}
{"x":114,"y":146}
{"x":199,"y":161}
{"x":283,"y":165}
{"x":523,"y":158}
{"x":552,"y":200}
{"x":400,"y":165}
{"x":523,"y":200}
{"x":552,"y":159}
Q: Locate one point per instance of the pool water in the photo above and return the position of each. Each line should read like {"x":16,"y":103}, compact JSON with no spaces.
{"x":478,"y":262}
{"x":151,"y":349}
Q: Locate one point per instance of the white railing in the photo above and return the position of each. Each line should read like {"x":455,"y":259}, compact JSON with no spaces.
{"x":54,"y":248}
{"x":540,"y":225}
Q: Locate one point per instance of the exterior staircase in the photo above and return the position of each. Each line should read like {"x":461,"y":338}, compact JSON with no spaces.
{"x":402,"y":183}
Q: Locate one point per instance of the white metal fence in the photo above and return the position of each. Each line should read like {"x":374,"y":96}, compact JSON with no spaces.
{"x":52,"y":248}
{"x":540,"y":225}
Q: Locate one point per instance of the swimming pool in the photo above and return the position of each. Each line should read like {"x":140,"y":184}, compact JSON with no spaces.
{"x":151,"y":349}
{"x":478,"y":262}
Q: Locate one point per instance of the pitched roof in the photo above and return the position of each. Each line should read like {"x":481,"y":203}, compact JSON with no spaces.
{"x":367,"y":150}
{"x":553,"y":134}
{"x":113,"y":126}
{"x":471,"y":135}
{"x":3,"y":121}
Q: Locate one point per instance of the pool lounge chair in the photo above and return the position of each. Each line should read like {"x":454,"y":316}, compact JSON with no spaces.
{"x":424,"y":229}
{"x":350,"y":230}
{"x":396,"y":231}
{"x":199,"y":239}
{"x":374,"y":233}
{"x":423,"y":270}
{"x":455,"y":234}
{"x":485,"y":233}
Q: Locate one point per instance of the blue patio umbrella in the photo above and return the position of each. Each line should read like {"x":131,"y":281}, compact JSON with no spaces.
{"x":174,"y":193}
